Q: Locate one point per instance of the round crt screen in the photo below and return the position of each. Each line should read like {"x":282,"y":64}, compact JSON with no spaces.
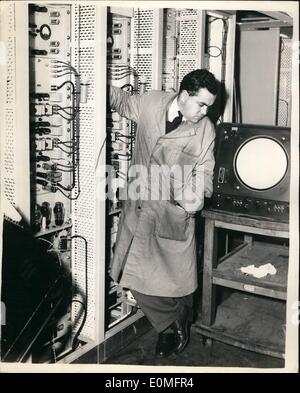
{"x":261,"y":163}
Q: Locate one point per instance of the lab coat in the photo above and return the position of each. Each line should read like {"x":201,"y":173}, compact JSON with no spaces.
{"x":155,"y":251}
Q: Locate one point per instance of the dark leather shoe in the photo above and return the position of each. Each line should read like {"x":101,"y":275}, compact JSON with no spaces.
{"x":181,"y":332}
{"x":166,"y":345}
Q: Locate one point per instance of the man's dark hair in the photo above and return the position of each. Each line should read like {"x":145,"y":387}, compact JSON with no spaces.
{"x":198,"y":79}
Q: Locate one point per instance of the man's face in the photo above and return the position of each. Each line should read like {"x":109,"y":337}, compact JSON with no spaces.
{"x":194,"y":108}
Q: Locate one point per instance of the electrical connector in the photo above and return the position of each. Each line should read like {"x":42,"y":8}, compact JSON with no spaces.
{"x":42,"y":131}
{"x":40,"y":144}
{"x":54,"y":51}
{"x":54,"y":176}
{"x":42,"y":158}
{"x":41,"y":110}
{"x":44,"y":183}
{"x":39,"y":52}
{"x":114,"y":57}
{"x":84,"y":85}
{"x":44,"y":144}
{"x":64,"y":243}
{"x":55,"y":142}
{"x":40,"y":96}
{"x":37,"y":124}
{"x":119,"y":146}
{"x":37,"y":8}
{"x":50,"y":188}
{"x":49,"y":166}
{"x":115,"y":164}
{"x":49,"y":144}
{"x":54,"y":14}
{"x":43,"y":175}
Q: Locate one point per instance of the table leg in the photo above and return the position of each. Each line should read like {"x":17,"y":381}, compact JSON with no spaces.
{"x":210,"y":262}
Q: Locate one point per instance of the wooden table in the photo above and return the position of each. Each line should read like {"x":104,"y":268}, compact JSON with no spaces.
{"x":226,"y":272}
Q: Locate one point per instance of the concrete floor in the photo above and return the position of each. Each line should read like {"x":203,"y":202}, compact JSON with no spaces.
{"x":141,"y":352}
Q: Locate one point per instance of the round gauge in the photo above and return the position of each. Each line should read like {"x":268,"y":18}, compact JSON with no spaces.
{"x":261,"y":163}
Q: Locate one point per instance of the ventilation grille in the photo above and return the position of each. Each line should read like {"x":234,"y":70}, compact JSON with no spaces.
{"x":285,"y":81}
{"x":188,"y":37}
{"x":86,"y":229}
{"x":143,"y":29}
{"x":188,"y":12}
{"x":285,"y":84}
{"x":142,"y":59}
{"x":283,"y":112}
{"x":11,"y":18}
{"x":9,"y":138}
{"x":9,"y":152}
{"x":84,"y":219}
{"x":143,"y":65}
{"x":75,"y":20}
{"x":169,"y":63}
{"x":188,"y":42}
{"x":286,"y":53}
{"x":87,"y":19}
{"x":87,"y":67}
{"x":10,"y":189}
{"x":84,"y":206}
{"x":186,"y":66}
{"x":10,"y":77}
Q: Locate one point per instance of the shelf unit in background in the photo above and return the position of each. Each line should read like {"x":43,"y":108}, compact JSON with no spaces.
{"x":252,"y":314}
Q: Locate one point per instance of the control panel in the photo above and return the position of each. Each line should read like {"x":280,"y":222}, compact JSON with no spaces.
{"x":120,"y":144}
{"x":274,"y":210}
{"x":54,"y":120}
{"x":55,"y":92}
{"x":120,"y":135}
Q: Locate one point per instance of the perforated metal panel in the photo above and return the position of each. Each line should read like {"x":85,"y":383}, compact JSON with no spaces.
{"x":143,"y":28}
{"x":87,"y":65}
{"x":143,"y":63}
{"x":9,"y":152}
{"x":286,"y":53}
{"x":169,"y":67}
{"x":84,"y":208}
{"x":188,"y":37}
{"x":186,"y":66}
{"x":9,"y":138}
{"x":188,"y":12}
{"x":87,"y":19}
{"x":10,"y":80}
{"x":285,"y":80}
{"x":142,"y":44}
{"x":285,"y":84}
{"x":187,"y":42}
{"x":10,"y":189}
